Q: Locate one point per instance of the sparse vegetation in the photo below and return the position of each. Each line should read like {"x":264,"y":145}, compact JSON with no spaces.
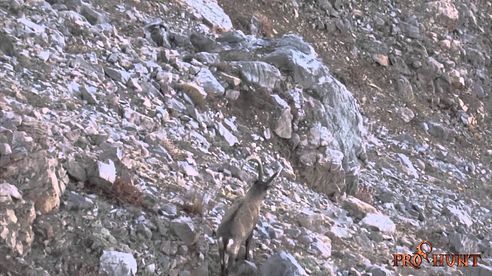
{"x":195,"y":203}
{"x":366,"y":194}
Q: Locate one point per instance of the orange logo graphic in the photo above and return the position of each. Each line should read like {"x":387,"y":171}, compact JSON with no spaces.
{"x":424,"y":250}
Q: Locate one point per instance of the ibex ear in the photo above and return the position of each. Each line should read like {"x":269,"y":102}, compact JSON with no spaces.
{"x":274,"y":176}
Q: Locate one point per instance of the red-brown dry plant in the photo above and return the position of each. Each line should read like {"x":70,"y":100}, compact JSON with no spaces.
{"x":125,"y":191}
{"x":366,"y":194}
{"x":194,"y":203}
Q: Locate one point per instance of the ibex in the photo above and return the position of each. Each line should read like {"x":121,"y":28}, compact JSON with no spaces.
{"x":240,"y":219}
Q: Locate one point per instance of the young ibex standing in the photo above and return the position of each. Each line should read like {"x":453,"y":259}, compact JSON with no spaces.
{"x":240,"y":219}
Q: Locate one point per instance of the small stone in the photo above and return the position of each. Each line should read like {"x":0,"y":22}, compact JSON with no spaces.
{"x":379,"y":271}
{"x":203,"y":42}
{"x":232,"y":94}
{"x":231,"y":80}
{"x":340,"y":232}
{"x":406,"y":114}
{"x":88,"y":94}
{"x":380,"y":222}
{"x":115,"y":263}
{"x":228,"y":136}
{"x":210,"y":84}
{"x":207,"y":58}
{"x":184,"y":228}
{"x":280,"y":264}
{"x":117,"y":75}
{"x":9,"y":192}
{"x":381,"y":59}
{"x":258,"y":73}
{"x":76,"y":201}
{"x":283,"y":127}
{"x":195,"y":92}
{"x":103,"y":174}
{"x":5,"y":149}
{"x":444,"y":12}
{"x":462,"y":216}
{"x":212,"y":13}
{"x":407,"y":165}
{"x":92,"y":15}
{"x":463,"y":243}
{"x":246,"y":268}
{"x":322,"y":246}
{"x":357,"y":207}
{"x":188,"y":169}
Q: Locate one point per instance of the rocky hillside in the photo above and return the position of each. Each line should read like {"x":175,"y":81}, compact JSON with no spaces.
{"x":125,"y":125}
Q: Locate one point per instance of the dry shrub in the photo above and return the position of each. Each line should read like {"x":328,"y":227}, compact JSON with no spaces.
{"x":171,"y":147}
{"x":366,"y":194}
{"x":195,"y":203}
{"x":265,"y":25}
{"x":126,"y":192}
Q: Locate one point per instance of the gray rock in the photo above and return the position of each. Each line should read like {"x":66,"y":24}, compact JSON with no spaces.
{"x":480,"y":270}
{"x":88,"y":94}
{"x":115,"y":263}
{"x":9,"y":192}
{"x":210,"y":84}
{"x":461,"y":243}
{"x":377,"y":270}
{"x":410,"y":30}
{"x":282,"y":264}
{"x":332,"y":105}
{"x":31,"y":27}
{"x":212,"y":13}
{"x":76,"y":201}
{"x":407,"y":165}
{"x":406,"y":114}
{"x":169,"y":209}
{"x":207,"y":58}
{"x":459,"y":214}
{"x":102,"y":174}
{"x":195,"y":92}
{"x":322,"y":246}
{"x":340,"y":232}
{"x":188,"y":169}
{"x":117,"y":75}
{"x":439,"y":131}
{"x":357,"y":207}
{"x":228,"y":136}
{"x":184,"y":228}
{"x":6,"y":45}
{"x":232,"y":94}
{"x":258,"y":73}
{"x":283,"y":127}
{"x":203,"y":43}
{"x":245,"y":268}
{"x":444,"y":12}
{"x":5,"y":149}
{"x":379,"y":222}
{"x":94,"y":17}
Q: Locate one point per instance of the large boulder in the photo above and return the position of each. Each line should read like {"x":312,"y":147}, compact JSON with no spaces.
{"x":332,"y":142}
{"x":41,"y":179}
{"x":282,"y":264}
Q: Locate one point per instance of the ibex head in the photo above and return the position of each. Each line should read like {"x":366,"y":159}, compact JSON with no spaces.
{"x":260,"y":184}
